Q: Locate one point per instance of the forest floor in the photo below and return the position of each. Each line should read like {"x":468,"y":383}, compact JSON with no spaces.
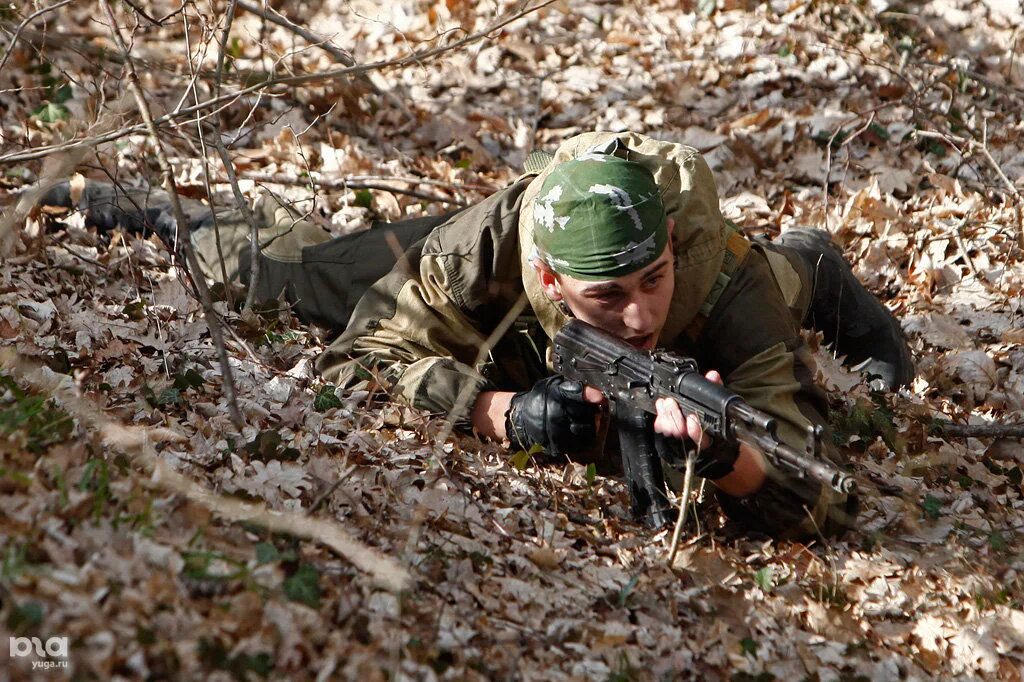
{"x":898,"y":130}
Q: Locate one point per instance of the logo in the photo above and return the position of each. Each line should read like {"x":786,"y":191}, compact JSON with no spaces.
{"x":55,"y":647}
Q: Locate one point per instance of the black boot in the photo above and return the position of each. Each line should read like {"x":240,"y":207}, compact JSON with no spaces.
{"x":139,"y":211}
{"x":851,"y":319}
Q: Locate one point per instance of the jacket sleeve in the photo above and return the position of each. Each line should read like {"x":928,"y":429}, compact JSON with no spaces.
{"x":421,"y":330}
{"x":761,"y":356}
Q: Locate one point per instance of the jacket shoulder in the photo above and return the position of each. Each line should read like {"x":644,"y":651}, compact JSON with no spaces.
{"x":478,"y":249}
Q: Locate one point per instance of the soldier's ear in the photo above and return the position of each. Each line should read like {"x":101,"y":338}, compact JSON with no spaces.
{"x":548,"y":280}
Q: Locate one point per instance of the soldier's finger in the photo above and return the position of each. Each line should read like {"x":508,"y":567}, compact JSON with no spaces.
{"x":696,"y":431}
{"x":714,"y":377}
{"x":669,"y":418}
{"x":593,"y":395}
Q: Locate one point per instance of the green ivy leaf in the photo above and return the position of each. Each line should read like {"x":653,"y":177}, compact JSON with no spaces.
{"x":51,"y":112}
{"x":169,"y":396}
{"x":765,"y":578}
{"x":303,"y":586}
{"x":136,"y":310}
{"x":880,"y":130}
{"x":326,"y":399}
{"x":188,"y":379}
{"x":591,"y":474}
{"x":363,"y":198}
{"x":520,"y":460}
{"x":61,"y":94}
{"x":25,"y":617}
{"x":931,"y":506}
{"x":264,"y":446}
{"x":749,"y":646}
{"x":266,"y":553}
{"x":627,"y":590}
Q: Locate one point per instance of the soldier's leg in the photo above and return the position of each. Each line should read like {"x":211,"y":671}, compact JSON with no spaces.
{"x":850,"y":318}
{"x":320,"y":276}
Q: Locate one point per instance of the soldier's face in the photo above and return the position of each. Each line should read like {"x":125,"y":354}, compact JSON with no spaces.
{"x":633,"y":307}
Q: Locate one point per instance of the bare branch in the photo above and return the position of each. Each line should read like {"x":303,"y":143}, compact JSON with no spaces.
{"x":151,"y":19}
{"x":138,"y":442}
{"x":229,"y":168}
{"x":54,"y":171}
{"x":964,"y":145}
{"x":303,"y":79}
{"x":275,"y":17}
{"x":228,"y":293}
{"x":345,"y":184}
{"x":21,"y":27}
{"x":179,"y":216}
{"x":980,"y":430}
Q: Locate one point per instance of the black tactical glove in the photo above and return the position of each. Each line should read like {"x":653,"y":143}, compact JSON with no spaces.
{"x":713,"y":462}
{"x":554,"y":414}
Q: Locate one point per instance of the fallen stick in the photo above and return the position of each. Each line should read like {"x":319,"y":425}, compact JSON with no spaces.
{"x":948,"y":428}
{"x":138,"y":443}
{"x":182,"y":232}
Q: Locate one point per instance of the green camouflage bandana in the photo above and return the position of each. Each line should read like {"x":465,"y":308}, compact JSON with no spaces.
{"x":599,"y":217}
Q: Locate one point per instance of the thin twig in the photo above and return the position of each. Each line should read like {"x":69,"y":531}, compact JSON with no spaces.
{"x":843,"y":143}
{"x":21,"y":27}
{"x":958,"y":238}
{"x":228,"y":293}
{"x":684,"y":505}
{"x":182,"y":235}
{"x":407,"y":59}
{"x":229,"y":168}
{"x":151,"y":19}
{"x":963,"y":142}
{"x":330,"y":489}
{"x":325,"y":44}
{"x":54,"y":170}
{"x":275,"y":17}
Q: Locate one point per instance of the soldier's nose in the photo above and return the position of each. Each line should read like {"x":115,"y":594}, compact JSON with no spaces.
{"x":637,"y":318}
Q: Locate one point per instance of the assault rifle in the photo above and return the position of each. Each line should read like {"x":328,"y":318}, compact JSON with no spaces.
{"x":633,"y":380}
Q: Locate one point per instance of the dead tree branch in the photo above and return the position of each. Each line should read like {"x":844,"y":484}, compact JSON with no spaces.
{"x":207,"y":184}
{"x":21,"y":27}
{"x":407,"y":59}
{"x":964,"y":146}
{"x":341,"y":56}
{"x":138,"y":443}
{"x":343,"y":184}
{"x":979,"y":430}
{"x":275,"y":17}
{"x":229,"y":168}
{"x":183,"y":235}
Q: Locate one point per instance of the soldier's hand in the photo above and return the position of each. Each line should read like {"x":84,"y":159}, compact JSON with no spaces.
{"x":560,"y":415}
{"x":714,"y":460}
{"x":671,"y":421}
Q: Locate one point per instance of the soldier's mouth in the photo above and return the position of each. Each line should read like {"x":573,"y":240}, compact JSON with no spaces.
{"x":645,"y":342}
